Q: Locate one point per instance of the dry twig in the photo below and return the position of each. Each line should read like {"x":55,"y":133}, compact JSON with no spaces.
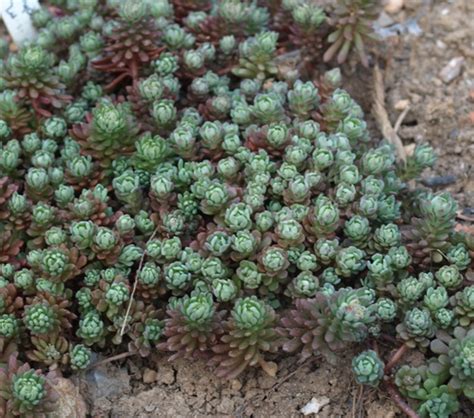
{"x":397,"y":398}
{"x":381,"y":116}
{"x":135,"y":282}
{"x":400,"y":119}
{"x":463,"y":217}
{"x":395,"y":358}
{"x":111,"y":359}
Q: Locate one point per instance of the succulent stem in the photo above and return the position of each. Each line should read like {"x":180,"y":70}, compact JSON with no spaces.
{"x":401,"y":403}
{"x":396,"y":357}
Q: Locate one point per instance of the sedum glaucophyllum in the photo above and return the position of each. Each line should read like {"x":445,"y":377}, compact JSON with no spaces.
{"x":168,"y":185}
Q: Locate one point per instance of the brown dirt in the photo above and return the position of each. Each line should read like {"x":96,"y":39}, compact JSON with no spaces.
{"x":440,"y":113}
{"x":187,"y":389}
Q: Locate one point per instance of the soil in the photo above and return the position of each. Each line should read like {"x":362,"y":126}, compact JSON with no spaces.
{"x":441,"y":113}
{"x":431,"y":33}
{"x":187,"y":389}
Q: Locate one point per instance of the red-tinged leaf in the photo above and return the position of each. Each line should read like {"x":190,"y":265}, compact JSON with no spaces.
{"x":33,"y":93}
{"x":269,"y":367}
{"x":250,"y":353}
{"x":344,"y":52}
{"x":292,"y":345}
{"x":334,"y":36}
{"x":332,"y":50}
{"x":348,"y":33}
{"x":220,"y":348}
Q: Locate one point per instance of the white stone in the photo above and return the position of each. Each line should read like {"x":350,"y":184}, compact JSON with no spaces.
{"x":314,"y":405}
{"x":452,"y":69}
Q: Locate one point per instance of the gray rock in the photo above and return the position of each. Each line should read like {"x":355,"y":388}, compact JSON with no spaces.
{"x":452,"y":69}
{"x":107,"y":382}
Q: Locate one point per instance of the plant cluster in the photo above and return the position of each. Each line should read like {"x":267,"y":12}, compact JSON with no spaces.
{"x":166,"y":187}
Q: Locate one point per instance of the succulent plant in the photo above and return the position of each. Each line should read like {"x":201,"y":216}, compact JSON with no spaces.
{"x":50,"y":350}
{"x":179,"y":176}
{"x":439,"y":406}
{"x":352,"y":20}
{"x":463,"y":302}
{"x":25,"y":391}
{"x":134,"y":27}
{"x":410,"y":380}
{"x":30,"y":74}
{"x":193,"y":327}
{"x":455,"y":359}
{"x":449,"y":277}
{"x":368,"y":368}
{"x":80,"y":357}
{"x":91,"y":328}
{"x":328,"y":323}
{"x":417,"y":327}
{"x":428,"y":236}
{"x":40,"y":319}
{"x":248,"y":335}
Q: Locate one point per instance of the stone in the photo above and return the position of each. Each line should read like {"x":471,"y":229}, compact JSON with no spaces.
{"x":235,"y":385}
{"x":402,"y":104}
{"x":315,"y":405}
{"x":452,"y":69}
{"x":149,"y":376}
{"x":394,"y":6}
{"x":440,"y":44}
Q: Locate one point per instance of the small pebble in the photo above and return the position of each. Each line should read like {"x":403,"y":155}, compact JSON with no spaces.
{"x":440,"y":44}
{"x":149,"y":376}
{"x":150,"y":408}
{"x":452,"y":69}
{"x":454,"y":133}
{"x":394,"y":6}
{"x":410,"y":149}
{"x":236,"y":385}
{"x":402,"y":104}
{"x":438,"y":181}
{"x":314,"y":405}
{"x":468,"y":211}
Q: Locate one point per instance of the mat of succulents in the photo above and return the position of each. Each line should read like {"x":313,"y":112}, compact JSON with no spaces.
{"x":170,"y":185}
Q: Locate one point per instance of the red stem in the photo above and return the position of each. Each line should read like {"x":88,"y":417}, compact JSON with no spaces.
{"x":397,"y":398}
{"x":388,"y":338}
{"x":395,"y":358}
{"x":111,"y":86}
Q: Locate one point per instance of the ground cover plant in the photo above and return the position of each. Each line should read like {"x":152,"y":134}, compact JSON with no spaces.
{"x":169,"y":185}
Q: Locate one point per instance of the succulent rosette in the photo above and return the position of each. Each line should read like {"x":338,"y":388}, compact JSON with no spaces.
{"x":368,"y":368}
{"x":249,"y":334}
{"x":26,"y":391}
